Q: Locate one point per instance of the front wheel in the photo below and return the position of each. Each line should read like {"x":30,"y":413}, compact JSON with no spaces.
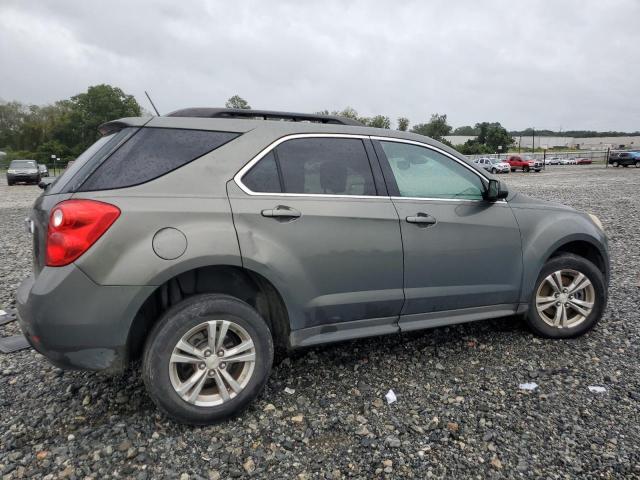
{"x":207,"y":358}
{"x":494,"y":171}
{"x":569,"y":298}
{"x":615,"y":164}
{"x":638,"y":164}
{"x":525,"y":169}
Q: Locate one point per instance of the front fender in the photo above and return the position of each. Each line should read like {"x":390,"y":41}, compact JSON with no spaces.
{"x":546,"y":230}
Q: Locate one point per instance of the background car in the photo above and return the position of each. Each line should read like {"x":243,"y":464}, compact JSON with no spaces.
{"x":23,"y":171}
{"x":493,"y":165}
{"x":526,"y":164}
{"x":552,"y":161}
{"x":44,"y":171}
{"x":625,"y":159}
{"x":567,"y":161}
{"x":583,"y":161}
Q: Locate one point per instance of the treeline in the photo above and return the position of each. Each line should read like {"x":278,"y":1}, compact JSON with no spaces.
{"x":67,"y":127}
{"x":572,"y":133}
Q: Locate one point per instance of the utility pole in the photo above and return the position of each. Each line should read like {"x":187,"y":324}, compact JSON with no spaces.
{"x":533,"y":142}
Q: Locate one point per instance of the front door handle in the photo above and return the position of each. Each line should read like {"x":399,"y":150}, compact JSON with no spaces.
{"x":422,"y":218}
{"x":281,"y":211}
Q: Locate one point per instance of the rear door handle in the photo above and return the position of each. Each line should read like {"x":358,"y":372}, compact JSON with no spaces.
{"x":281,"y":211}
{"x":422,"y":218}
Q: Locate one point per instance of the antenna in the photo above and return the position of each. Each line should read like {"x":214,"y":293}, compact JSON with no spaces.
{"x":152,"y":104}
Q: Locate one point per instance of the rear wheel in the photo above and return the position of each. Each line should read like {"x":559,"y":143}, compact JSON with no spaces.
{"x":525,"y":169}
{"x":638,"y":164}
{"x":207,"y":359}
{"x":569,"y":298}
{"x":615,"y":164}
{"x":494,"y":170}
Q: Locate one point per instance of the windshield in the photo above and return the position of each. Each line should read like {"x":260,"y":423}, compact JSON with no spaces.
{"x":23,"y":164}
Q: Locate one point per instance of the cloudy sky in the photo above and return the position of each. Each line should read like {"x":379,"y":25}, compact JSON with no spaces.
{"x":572,"y":64}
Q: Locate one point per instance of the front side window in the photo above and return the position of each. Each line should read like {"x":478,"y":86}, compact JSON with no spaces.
{"x":315,"y":166}
{"x":424,"y":173}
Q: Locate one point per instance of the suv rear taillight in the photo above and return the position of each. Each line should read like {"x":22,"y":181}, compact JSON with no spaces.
{"x":75,"y":225}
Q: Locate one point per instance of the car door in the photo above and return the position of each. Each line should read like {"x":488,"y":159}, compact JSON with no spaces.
{"x":462,"y":255}
{"x":314,"y":218}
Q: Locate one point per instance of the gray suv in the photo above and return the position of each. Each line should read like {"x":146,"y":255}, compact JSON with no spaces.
{"x":204,"y":241}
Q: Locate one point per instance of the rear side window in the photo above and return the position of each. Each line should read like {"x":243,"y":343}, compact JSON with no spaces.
{"x":325,"y":166}
{"x":151,"y":153}
{"x":263,"y":177}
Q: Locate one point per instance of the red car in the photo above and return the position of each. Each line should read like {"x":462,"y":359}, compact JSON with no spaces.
{"x":515,"y":162}
{"x":583,"y":161}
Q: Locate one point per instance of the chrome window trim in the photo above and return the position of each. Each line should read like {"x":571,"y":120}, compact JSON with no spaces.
{"x":435,"y":149}
{"x":237,"y":178}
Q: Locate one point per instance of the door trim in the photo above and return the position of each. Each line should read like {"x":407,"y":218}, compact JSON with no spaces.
{"x":420,"y":321}
{"x":338,"y":332}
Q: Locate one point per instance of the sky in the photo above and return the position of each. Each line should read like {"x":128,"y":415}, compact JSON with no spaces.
{"x":559,"y":65}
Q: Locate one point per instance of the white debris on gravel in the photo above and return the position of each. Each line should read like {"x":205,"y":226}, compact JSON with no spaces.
{"x":597,"y":389}
{"x":530,"y":386}
{"x":390,"y":396}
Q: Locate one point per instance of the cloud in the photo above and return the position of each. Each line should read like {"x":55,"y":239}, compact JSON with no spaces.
{"x":571,"y":64}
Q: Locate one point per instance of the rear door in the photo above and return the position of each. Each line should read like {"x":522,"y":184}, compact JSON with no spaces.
{"x":313,"y":216}
{"x":462,"y":255}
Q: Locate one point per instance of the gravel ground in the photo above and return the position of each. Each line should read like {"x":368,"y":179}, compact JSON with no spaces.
{"x":459,"y":412}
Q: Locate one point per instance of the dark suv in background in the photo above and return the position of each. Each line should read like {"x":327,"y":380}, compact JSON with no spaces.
{"x":23,"y":171}
{"x":204,"y":240}
{"x":624,"y":159}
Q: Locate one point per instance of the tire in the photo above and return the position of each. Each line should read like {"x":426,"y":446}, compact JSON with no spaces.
{"x":513,"y":170}
{"x":189,"y":315}
{"x":494,"y":171}
{"x":525,"y":169}
{"x":638,"y":164}
{"x":598,"y":296}
{"x":10,"y":183}
{"x":615,"y":164}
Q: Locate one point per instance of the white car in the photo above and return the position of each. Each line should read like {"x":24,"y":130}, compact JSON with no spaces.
{"x":493,"y":165}
{"x":568,"y":161}
{"x":552,"y":161}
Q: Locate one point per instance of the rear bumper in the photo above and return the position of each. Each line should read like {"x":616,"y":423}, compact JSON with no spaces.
{"x":76,"y":323}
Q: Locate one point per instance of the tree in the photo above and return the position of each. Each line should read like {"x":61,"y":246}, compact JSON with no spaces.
{"x":494,"y":135}
{"x":237,"y":102}
{"x":436,"y":128}
{"x":87,"y":111}
{"x":379,"y":121}
{"x":403,"y":124}
{"x":467,"y":130}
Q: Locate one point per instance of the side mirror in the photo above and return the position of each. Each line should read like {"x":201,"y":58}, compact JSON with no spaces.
{"x":45,"y":183}
{"x":496,"y":190}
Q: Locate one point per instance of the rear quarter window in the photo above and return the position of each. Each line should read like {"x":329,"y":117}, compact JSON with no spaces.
{"x":151,"y":153}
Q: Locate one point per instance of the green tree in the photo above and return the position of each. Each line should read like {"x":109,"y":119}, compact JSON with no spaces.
{"x":494,"y":135}
{"x":466,"y":130}
{"x":237,"y":102}
{"x":403,"y":124}
{"x":87,"y":111}
{"x":436,"y":128}
{"x":379,"y":121}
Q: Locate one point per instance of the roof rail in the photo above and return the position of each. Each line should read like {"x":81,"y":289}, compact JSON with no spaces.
{"x":262,"y":114}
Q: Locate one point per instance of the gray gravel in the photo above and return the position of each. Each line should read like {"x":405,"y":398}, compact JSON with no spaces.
{"x":459,"y":411}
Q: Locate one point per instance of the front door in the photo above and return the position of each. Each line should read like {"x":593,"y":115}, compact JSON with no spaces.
{"x":462,"y":255}
{"x":311,"y":218}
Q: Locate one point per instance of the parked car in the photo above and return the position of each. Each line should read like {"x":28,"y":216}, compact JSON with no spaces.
{"x":583,"y":161}
{"x":552,"y":161}
{"x":624,"y":159}
{"x":526,"y":164}
{"x":492,"y":165}
{"x":23,"y":171}
{"x":44,"y":171}
{"x":567,"y":161}
{"x":202,"y":245}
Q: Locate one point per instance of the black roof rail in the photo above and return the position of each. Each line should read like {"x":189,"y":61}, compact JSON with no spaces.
{"x":262,"y":114}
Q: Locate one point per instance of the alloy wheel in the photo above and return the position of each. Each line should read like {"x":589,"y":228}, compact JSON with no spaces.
{"x":212,"y":363}
{"x":565,"y":298}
